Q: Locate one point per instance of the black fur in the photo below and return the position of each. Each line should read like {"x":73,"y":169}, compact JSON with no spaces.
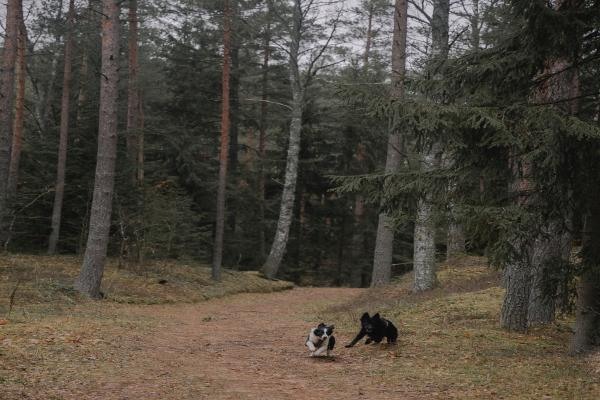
{"x":375,"y":328}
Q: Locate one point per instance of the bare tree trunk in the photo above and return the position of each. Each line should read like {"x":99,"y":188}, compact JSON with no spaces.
{"x":17,"y":136}
{"x":424,"y":264}
{"x":263,"y":133}
{"x":59,"y":190}
{"x":278,"y":247}
{"x":369,"y":42}
{"x":133,"y":91}
{"x":92,"y":269}
{"x":384,"y":244}
{"x":7,"y":78}
{"x":223,"y":155}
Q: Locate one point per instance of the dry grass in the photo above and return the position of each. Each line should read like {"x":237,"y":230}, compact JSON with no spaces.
{"x":46,"y":281}
{"x":451,"y":345}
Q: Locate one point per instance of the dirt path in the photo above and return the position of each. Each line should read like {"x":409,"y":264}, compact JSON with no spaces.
{"x":248,"y":346}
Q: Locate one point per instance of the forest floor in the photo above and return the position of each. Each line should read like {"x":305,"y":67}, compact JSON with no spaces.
{"x":251,"y":346}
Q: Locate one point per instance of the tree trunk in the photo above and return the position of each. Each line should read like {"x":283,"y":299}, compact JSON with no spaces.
{"x":456,"y":239}
{"x":384,"y":244}
{"x":223,"y":155}
{"x":92,"y":269}
{"x":234,"y":126}
{"x":263,"y":133}
{"x":424,"y":238}
{"x":59,"y":190}
{"x":7,"y":78}
{"x":278,"y":247}
{"x":513,"y":315}
{"x":369,"y":42}
{"x":133,"y":92}
{"x":587,"y":323}
{"x":17,"y":136}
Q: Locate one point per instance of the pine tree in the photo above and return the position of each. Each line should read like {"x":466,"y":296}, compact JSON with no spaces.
{"x":90,"y":276}
{"x":224,"y":151}
{"x":59,"y":190}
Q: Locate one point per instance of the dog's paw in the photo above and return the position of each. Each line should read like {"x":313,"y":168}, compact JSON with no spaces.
{"x":348,"y":346}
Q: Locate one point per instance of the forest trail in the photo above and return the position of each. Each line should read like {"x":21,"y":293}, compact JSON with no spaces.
{"x":247,"y":346}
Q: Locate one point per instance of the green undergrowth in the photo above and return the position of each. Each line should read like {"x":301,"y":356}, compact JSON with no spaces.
{"x":452,"y":347}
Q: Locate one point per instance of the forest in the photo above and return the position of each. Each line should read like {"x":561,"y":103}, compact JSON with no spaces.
{"x":393,"y":155}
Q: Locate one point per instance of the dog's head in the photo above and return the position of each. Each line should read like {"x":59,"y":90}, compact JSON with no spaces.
{"x":369,"y":323}
{"x":322,"y":331}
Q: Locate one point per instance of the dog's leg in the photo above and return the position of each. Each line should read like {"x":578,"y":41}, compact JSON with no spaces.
{"x":320,"y":350}
{"x":311,"y":346}
{"x":360,"y":335}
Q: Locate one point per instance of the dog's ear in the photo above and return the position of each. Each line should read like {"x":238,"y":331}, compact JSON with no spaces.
{"x":365,"y":317}
{"x":331,"y":328}
{"x":376,"y":316}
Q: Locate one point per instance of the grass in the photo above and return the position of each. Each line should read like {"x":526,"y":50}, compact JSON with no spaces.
{"x":451,"y":345}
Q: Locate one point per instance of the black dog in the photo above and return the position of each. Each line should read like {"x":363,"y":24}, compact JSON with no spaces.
{"x":376,"y":328}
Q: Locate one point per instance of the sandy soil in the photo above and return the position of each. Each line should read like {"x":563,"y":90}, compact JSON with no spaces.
{"x":247,"y":346}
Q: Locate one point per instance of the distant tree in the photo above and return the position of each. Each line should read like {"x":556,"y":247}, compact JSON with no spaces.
{"x":17,"y":137}
{"x":224,"y":151}
{"x":133,"y":94}
{"x":90,"y":276}
{"x":384,"y":244}
{"x":7,"y":78}
{"x":59,"y":190}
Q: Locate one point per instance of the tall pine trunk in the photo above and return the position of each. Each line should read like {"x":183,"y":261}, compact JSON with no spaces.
{"x":17,"y":135}
{"x":7,"y":79}
{"x":384,"y":244}
{"x":90,"y":276}
{"x":424,"y":264}
{"x":223,"y":154}
{"x":279,"y":245}
{"x":59,"y":190}
{"x":263,"y":134}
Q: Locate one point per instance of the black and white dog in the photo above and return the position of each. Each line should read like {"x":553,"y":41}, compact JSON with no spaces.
{"x":375,"y":328}
{"x":320,"y":340}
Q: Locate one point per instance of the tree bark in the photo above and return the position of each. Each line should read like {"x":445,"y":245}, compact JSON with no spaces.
{"x":587,"y":323}
{"x":384,"y":244}
{"x":424,"y":264}
{"x":59,"y":190}
{"x":223,"y":155}
{"x":133,"y":92}
{"x":263,"y":133}
{"x":456,"y":239}
{"x":17,"y":136}
{"x":90,"y":276}
{"x":7,"y":78}
{"x":278,"y":247}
